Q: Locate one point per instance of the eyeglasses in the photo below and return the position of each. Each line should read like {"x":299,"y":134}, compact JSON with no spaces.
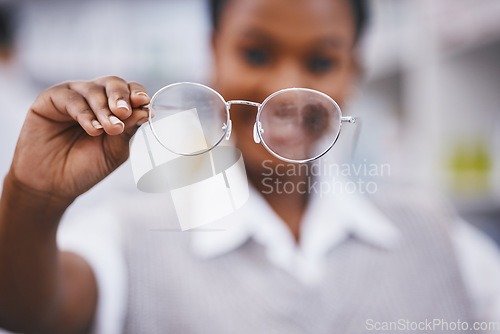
{"x":295,"y":125}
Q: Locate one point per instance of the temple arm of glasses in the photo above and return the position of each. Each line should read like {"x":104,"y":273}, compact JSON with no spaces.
{"x":357,"y":122}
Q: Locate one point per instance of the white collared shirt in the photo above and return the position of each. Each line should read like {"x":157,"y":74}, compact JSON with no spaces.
{"x":353,"y":215}
{"x":478,"y":257}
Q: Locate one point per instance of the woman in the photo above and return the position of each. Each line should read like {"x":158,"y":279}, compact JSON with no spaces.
{"x":367,"y":264}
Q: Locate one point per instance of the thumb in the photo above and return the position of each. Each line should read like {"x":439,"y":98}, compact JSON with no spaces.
{"x":117,"y":147}
{"x":139,"y":116}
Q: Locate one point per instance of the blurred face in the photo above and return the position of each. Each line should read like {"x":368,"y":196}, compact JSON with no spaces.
{"x":262,"y":46}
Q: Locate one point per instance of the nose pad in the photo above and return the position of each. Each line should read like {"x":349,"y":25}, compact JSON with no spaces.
{"x":257,"y":127}
{"x":228,"y":129}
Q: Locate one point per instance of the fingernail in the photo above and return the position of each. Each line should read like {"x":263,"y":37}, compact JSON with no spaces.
{"x":114,"y":120}
{"x":96,"y":124}
{"x":142,"y":121}
{"x":142,"y":94}
{"x":122,"y":104}
{"x":152,"y":112}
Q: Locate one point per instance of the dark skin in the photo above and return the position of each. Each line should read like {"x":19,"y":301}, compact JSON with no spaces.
{"x":77,"y":133}
{"x":67,"y":145}
{"x":276,"y":45}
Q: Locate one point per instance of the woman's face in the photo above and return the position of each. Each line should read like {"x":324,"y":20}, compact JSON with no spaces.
{"x":262,"y":46}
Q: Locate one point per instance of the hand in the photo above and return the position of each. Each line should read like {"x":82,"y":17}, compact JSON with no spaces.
{"x":77,"y":133}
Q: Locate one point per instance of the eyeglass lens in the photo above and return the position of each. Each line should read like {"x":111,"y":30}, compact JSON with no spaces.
{"x":299,"y":124}
{"x":188,"y":118}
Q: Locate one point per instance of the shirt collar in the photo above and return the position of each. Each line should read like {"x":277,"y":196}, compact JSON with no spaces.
{"x":228,"y":233}
{"x":333,"y":217}
{"x":329,"y":220}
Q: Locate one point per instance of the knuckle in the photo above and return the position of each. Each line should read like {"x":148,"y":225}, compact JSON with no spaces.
{"x":57,"y":89}
{"x":78,"y":83}
{"x":119,"y":94}
{"x":45,"y":98}
{"x":80,"y":86}
{"x":73,"y":96}
{"x":46,"y":93}
{"x":93,"y":89}
{"x":79,"y":117}
{"x":114,"y":78}
{"x":41,"y":99}
{"x":105,"y":80}
{"x":83,"y":115}
{"x":136,"y":85}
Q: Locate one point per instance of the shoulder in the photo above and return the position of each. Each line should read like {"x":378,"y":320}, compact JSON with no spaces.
{"x":412,"y":207}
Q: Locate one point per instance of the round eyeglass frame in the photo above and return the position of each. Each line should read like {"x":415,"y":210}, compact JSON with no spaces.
{"x":257,"y":127}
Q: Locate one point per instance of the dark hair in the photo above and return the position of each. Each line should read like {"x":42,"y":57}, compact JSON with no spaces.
{"x":359,"y":8}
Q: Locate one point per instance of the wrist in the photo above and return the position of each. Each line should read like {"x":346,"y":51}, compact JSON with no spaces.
{"x":25,"y":201}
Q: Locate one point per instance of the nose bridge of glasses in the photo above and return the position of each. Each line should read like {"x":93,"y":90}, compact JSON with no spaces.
{"x":247,"y":103}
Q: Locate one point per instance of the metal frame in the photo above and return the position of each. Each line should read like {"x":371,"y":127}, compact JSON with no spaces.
{"x":259,"y":106}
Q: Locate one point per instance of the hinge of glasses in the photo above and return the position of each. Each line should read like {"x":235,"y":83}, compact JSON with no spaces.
{"x":348,"y":119}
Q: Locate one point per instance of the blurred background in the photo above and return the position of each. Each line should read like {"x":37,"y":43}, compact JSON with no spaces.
{"x":429,"y":99}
